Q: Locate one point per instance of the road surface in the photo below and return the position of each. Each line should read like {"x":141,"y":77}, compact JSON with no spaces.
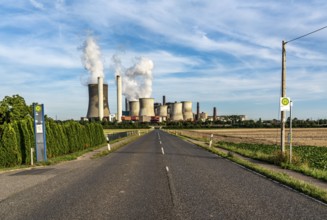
{"x":159,"y":176}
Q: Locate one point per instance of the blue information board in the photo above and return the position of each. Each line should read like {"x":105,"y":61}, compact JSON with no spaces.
{"x":39,"y":131}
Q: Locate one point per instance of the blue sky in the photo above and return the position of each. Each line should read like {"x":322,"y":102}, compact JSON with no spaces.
{"x":224,"y":54}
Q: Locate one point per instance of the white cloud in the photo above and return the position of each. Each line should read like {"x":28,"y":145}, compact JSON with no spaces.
{"x":226,"y":51}
{"x":37,"y":4}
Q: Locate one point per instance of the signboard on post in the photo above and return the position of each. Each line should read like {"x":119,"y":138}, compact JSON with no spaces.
{"x":39,"y":130}
{"x":285,"y":104}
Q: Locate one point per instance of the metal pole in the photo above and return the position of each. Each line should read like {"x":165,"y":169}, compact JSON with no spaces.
{"x":283,"y":94}
{"x":291,"y":137}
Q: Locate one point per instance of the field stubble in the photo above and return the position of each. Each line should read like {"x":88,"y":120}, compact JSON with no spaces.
{"x":271,"y":136}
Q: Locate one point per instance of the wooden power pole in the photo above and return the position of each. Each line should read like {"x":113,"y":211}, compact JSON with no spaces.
{"x":283,"y":94}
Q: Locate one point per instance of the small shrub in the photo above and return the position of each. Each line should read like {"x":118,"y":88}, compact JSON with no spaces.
{"x":230,"y":154}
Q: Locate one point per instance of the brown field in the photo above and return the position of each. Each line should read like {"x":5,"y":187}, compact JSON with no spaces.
{"x":301,"y":136}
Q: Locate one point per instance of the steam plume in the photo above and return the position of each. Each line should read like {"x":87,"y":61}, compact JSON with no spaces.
{"x":136,"y":80}
{"x":91,"y":60}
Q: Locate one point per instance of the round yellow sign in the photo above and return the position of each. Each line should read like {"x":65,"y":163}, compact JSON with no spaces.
{"x":285,"y":101}
{"x":38,"y":108}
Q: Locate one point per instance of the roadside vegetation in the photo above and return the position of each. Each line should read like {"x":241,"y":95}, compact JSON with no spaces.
{"x":308,"y":160}
{"x":63,"y":137}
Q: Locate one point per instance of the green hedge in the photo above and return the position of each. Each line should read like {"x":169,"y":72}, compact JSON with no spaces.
{"x":17,"y":138}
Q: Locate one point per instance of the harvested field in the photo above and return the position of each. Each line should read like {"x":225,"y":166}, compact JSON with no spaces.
{"x":301,"y":136}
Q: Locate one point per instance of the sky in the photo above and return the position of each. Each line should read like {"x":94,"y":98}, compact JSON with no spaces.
{"x":224,"y":54}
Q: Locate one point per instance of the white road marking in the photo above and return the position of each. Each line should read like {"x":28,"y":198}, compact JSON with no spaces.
{"x":162,"y":150}
{"x":167,"y":168}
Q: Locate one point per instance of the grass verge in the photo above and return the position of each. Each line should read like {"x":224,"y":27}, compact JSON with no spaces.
{"x":115,"y":146}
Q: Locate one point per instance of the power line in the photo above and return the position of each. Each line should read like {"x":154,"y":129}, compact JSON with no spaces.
{"x":306,"y":34}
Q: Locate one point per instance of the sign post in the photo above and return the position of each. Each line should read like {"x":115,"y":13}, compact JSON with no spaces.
{"x":39,"y":131}
{"x":290,"y":133}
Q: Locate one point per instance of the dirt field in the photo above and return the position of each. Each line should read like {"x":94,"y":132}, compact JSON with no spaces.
{"x":301,"y":136}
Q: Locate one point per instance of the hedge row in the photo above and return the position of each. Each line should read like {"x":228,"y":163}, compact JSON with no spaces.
{"x":69,"y":137}
{"x":16,"y":139}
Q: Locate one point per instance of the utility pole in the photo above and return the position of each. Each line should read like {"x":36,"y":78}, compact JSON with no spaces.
{"x":283,"y":94}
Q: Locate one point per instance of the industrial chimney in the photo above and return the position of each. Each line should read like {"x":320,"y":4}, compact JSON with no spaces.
{"x":187,"y":111}
{"x":134,"y":108}
{"x":100,"y":91}
{"x":214,"y":114}
{"x":177,"y":114}
{"x":119,"y":99}
{"x":197,"y":111}
{"x":164,"y":100}
{"x":93,"y":108}
{"x":126,"y":105}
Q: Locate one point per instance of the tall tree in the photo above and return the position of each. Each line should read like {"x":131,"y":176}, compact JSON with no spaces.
{"x":13,"y":109}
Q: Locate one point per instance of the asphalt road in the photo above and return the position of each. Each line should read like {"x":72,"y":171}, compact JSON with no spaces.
{"x":158,"y":176}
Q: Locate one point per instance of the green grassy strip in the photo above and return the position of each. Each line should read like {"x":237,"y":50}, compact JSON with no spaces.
{"x":68,"y":157}
{"x":285,"y":179}
{"x":273,"y":158}
{"x":113,"y":149}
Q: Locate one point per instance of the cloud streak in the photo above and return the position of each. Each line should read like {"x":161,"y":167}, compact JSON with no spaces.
{"x":225,"y":53}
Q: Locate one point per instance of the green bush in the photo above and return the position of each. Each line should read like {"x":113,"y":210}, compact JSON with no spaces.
{"x":17,"y":139}
{"x":9,"y":153}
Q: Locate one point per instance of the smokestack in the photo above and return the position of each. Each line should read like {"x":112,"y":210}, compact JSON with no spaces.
{"x":214,"y":113}
{"x":100,"y":91}
{"x":119,"y":99}
{"x":126,"y":105}
{"x":164,"y":100}
{"x":197,"y":111}
{"x":93,"y":109}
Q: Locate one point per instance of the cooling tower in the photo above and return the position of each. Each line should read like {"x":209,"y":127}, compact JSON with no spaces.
{"x":177,"y":114}
{"x":163,"y":110}
{"x":146,"y":107}
{"x":187,"y":111}
{"x":119,"y":99}
{"x":134,"y":108}
{"x":93,"y":109}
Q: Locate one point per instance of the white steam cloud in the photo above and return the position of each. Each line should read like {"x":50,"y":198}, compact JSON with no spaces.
{"x":91,"y":60}
{"x":136,"y":80}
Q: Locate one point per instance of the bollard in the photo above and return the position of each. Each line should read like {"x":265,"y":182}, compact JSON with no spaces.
{"x":32,"y":151}
{"x":109,"y":147}
{"x":210,"y":142}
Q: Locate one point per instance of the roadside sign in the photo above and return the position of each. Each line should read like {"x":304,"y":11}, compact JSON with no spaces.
{"x":39,"y":133}
{"x":285,"y":104}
